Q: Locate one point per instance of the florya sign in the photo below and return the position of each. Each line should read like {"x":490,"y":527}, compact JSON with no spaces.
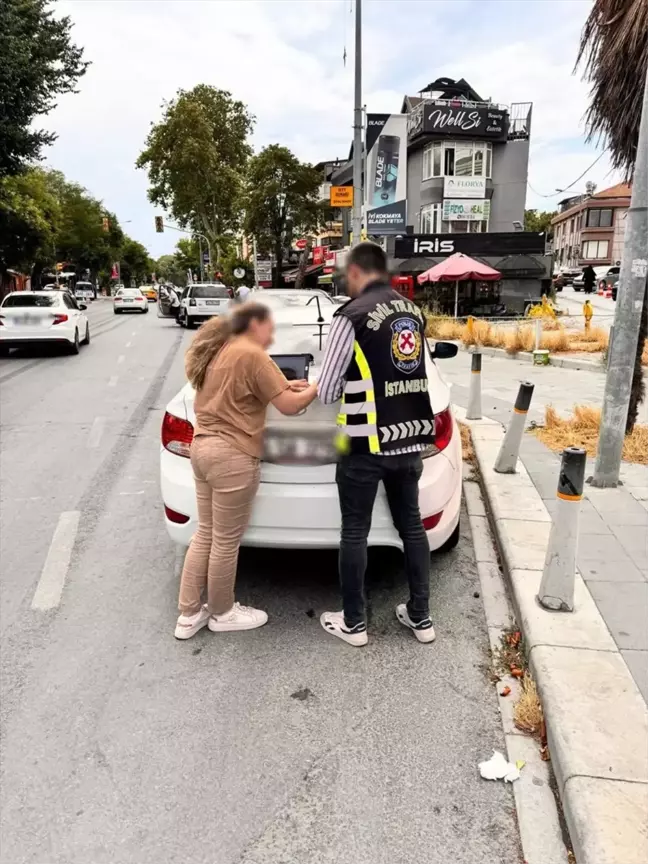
{"x":442,"y":245}
{"x":458,"y":121}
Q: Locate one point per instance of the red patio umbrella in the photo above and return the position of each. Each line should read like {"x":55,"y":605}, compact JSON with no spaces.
{"x":457,"y":268}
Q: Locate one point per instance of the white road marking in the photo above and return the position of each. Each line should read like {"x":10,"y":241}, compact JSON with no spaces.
{"x":141,"y":492}
{"x":50,"y":585}
{"x":135,"y":332}
{"x":113,"y":381}
{"x":96,"y":431}
{"x":121,"y":358}
{"x":128,"y":344}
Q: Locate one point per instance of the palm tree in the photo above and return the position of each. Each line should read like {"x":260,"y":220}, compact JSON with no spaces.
{"x":614,"y":52}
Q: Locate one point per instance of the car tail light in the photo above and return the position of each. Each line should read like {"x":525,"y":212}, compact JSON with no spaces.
{"x":443,"y":427}
{"x":174,"y":516}
{"x":59,"y":319}
{"x":177,"y":434}
{"x":431,"y":522}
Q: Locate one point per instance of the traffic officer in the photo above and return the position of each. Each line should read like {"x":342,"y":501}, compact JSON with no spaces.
{"x":375,"y":361}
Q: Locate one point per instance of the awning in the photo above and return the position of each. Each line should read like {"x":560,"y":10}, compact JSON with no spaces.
{"x":292,"y":276}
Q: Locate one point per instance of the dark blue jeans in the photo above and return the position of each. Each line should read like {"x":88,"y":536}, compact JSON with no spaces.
{"x":358,"y":476}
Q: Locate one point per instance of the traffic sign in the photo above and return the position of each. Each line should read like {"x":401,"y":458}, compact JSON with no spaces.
{"x":239,"y":272}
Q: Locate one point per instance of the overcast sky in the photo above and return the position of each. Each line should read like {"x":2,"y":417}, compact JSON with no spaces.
{"x":284,"y":59}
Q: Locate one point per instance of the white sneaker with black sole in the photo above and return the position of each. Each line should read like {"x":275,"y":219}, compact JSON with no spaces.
{"x":423,"y":630}
{"x":333,"y":623}
{"x":189,"y":625}
{"x":238,"y":618}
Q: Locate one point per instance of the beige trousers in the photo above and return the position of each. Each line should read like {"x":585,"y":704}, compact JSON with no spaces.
{"x":226,"y":483}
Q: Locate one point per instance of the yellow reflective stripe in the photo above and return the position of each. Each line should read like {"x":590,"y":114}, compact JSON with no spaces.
{"x":341,"y":420}
{"x":361,"y":360}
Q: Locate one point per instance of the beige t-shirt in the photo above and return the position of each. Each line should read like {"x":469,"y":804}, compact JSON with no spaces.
{"x":240,"y":382}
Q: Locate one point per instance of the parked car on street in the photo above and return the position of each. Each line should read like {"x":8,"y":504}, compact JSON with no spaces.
{"x":601,"y":272}
{"x":201,"y":301}
{"x":610,"y":283}
{"x":36,"y":317}
{"x":297,"y":502}
{"x":129,"y":300}
{"x":568,"y":274}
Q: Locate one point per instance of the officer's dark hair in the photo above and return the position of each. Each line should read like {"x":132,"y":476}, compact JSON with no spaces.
{"x":368,"y":257}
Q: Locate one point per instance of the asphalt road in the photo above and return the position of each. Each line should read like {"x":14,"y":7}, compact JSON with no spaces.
{"x":281,"y":746}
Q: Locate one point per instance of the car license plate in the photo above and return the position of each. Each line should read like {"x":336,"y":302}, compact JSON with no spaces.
{"x":212,"y":302}
{"x":127,"y":301}
{"x":26,"y":319}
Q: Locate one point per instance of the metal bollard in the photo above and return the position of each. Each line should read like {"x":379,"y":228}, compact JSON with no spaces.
{"x":557,"y":584}
{"x":507,"y":457}
{"x":474,"y":410}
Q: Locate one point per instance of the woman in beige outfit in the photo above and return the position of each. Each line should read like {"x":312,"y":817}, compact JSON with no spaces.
{"x":235,"y":380}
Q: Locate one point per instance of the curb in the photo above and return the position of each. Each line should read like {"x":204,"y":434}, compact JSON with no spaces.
{"x":538,"y":823}
{"x":597,"y":721}
{"x":527,"y":357}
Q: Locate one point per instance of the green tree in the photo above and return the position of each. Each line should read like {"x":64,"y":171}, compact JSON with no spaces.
{"x":38,"y":62}
{"x":281,"y":198}
{"x":196,"y":158}
{"x":30,"y":216}
{"x":540,"y":222}
{"x":135,"y":264}
{"x":167,"y":269}
{"x":614,"y":52}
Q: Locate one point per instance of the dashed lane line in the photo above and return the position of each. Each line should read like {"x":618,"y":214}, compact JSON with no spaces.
{"x":52,"y":580}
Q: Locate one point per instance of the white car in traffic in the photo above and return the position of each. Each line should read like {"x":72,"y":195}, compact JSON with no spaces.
{"x":129,"y":300}
{"x":84,"y":291}
{"x":297,"y":502}
{"x":202,"y":301}
{"x":34,"y":317}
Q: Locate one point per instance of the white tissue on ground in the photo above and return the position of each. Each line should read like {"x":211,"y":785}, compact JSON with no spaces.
{"x":498,"y":768}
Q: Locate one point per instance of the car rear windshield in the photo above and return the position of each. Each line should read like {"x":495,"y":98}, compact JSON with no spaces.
{"x":31,"y":300}
{"x":84,"y":286}
{"x":203,"y":291}
{"x":130,"y":292}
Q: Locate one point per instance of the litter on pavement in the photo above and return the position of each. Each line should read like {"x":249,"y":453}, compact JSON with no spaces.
{"x":498,"y":768}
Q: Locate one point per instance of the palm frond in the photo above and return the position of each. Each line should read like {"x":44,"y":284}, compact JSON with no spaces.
{"x":614,"y":53}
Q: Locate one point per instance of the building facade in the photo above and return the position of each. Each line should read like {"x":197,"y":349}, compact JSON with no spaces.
{"x":590,"y":228}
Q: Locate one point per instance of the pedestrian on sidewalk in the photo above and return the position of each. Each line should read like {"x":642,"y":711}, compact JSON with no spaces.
{"x":375,"y":360}
{"x":589,"y":278}
{"x":235,"y":380}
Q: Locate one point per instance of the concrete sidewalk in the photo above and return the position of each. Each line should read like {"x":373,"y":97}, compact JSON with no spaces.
{"x":613,"y":549}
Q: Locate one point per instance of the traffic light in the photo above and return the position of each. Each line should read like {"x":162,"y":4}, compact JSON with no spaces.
{"x":105,"y":223}
{"x":159,"y":225}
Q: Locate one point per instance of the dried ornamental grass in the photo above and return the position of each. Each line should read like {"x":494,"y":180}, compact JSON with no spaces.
{"x":582,"y":430}
{"x":527,"y":713}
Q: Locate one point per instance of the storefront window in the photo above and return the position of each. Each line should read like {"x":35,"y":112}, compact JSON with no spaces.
{"x":460,"y":227}
{"x":431,"y":219}
{"x":463,"y":160}
{"x":478,"y":166}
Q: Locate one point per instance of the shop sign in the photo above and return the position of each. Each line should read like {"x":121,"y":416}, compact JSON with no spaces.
{"x":465,"y":210}
{"x":341,"y":196}
{"x":318,"y":255}
{"x":464,"y":187}
{"x":264,"y":270}
{"x":499,"y":243}
{"x":458,"y":121}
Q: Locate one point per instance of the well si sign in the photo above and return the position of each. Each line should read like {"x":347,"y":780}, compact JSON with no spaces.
{"x":341,"y":196}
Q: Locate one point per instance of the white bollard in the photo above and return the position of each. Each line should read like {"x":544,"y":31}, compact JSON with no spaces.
{"x":474,"y":410}
{"x":557,"y":584}
{"x":538,"y":333}
{"x":506,"y":462}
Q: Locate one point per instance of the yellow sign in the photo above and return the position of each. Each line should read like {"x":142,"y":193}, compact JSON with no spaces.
{"x":341,"y":196}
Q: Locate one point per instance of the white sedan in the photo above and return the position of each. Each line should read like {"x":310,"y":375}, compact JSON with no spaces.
{"x":297,"y":502}
{"x":32,"y":317}
{"x":129,"y":300}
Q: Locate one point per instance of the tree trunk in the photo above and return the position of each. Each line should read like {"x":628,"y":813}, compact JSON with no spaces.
{"x":638,"y":389}
{"x":279,"y":261}
{"x":303,"y":264}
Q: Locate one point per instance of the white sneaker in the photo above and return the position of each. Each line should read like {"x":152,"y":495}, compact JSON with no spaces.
{"x":333,"y":623}
{"x":238,"y":618}
{"x":423,"y":630}
{"x":189,"y":625}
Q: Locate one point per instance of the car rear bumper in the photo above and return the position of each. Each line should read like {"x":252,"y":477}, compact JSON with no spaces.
{"x":307,"y":516}
{"x":31,"y":336}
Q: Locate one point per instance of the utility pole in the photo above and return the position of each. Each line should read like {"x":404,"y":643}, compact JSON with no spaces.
{"x":627,"y":317}
{"x":202,"y":268}
{"x":356,"y":219}
{"x":256,"y":271}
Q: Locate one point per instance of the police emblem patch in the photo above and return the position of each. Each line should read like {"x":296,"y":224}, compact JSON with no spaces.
{"x":406,"y":344}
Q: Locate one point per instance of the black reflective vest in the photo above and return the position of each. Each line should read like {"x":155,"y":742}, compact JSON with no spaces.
{"x":385,"y":402}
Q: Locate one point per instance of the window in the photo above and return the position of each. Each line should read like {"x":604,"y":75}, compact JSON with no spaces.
{"x":460,"y":227}
{"x":457,"y":159}
{"x":431,"y":219}
{"x":599,"y":218}
{"x":203,"y":291}
{"x":29,"y":300}
{"x":593,"y":249}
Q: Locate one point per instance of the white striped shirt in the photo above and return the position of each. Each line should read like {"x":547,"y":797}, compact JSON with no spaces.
{"x":337,"y":357}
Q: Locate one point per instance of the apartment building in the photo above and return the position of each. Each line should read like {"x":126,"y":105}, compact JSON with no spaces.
{"x":590,"y":228}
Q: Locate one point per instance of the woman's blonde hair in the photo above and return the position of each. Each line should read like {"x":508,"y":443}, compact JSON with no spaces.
{"x":214,"y":333}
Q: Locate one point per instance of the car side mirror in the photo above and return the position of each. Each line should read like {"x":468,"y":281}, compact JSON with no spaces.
{"x":444,"y":351}
{"x":82,"y":306}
